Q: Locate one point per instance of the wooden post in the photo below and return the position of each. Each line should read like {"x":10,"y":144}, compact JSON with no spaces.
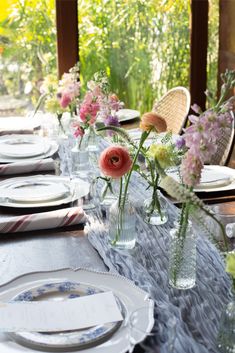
{"x":226,"y":37}
{"x":67,"y":34}
{"x":198,"y":52}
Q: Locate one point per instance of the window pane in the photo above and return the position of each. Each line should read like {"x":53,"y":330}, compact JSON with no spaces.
{"x":143,"y":46}
{"x":27,"y":52}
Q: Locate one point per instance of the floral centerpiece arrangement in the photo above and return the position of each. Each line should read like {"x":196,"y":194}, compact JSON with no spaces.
{"x":197,"y":145}
{"x":64,"y":95}
{"x":200,"y":140}
{"x":114,"y":162}
{"x":60,"y":96}
{"x":97,"y":104}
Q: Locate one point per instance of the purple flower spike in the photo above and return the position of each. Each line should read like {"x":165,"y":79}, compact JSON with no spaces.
{"x":112,"y":120}
{"x":180,"y":142}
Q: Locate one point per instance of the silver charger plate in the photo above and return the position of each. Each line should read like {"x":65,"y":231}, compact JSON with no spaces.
{"x":40,"y":191}
{"x":65,"y":340}
{"x":125,"y":290}
{"x":42,"y":147}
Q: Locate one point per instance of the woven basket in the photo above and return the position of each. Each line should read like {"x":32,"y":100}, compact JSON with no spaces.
{"x":174,"y":107}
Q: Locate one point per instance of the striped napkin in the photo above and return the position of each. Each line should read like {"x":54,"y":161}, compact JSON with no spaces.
{"x":16,"y":131}
{"x":45,"y":220}
{"x":27,"y":166}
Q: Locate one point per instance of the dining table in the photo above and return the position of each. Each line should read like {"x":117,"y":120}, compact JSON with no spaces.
{"x":186,"y":321}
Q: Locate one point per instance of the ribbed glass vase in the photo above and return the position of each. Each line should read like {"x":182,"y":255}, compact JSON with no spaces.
{"x":226,"y":333}
{"x":182,"y":257}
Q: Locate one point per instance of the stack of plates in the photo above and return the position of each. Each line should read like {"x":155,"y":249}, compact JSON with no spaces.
{"x":40,"y":191}
{"x":127,"y":114}
{"x":16,"y":148}
{"x":63,"y":284}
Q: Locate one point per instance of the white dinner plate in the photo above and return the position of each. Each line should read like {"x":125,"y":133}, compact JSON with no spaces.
{"x":40,"y":191}
{"x":23,"y":148}
{"x":83,"y":338}
{"x":131,"y":297}
{"x":214,"y":178}
{"x":15,"y":148}
{"x":127,"y":114}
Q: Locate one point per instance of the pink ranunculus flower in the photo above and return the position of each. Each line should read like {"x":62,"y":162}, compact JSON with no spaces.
{"x":65,"y":100}
{"x":115,"y":161}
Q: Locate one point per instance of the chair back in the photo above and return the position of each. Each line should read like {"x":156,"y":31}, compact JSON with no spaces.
{"x":174,"y":107}
{"x":224,"y":145}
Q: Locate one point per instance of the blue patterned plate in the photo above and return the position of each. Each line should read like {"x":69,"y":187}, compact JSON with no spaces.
{"x":65,"y":340}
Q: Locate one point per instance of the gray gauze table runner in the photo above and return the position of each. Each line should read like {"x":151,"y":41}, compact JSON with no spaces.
{"x":187,"y":318}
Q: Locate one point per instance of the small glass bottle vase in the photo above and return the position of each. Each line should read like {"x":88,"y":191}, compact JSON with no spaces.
{"x":80,"y":159}
{"x":155,"y":209}
{"x":226,"y":333}
{"x":92,"y":140}
{"x":182,"y":258}
{"x":122,"y":221}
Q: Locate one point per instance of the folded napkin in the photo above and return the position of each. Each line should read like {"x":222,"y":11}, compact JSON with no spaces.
{"x":16,"y":132}
{"x":27,"y":166}
{"x":45,"y":220}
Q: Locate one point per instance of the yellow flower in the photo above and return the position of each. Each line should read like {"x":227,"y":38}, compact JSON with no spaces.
{"x":162,"y":153}
{"x":230,"y":263}
{"x":52,"y":105}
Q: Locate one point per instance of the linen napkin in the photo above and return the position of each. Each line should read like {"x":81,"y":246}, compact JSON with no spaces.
{"x":27,"y":166}
{"x":45,"y":220}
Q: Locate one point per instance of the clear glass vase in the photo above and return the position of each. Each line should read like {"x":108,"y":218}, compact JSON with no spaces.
{"x":155,"y":209}
{"x":122,"y":221}
{"x":80,"y":159}
{"x":92,"y":139}
{"x":226,"y":333}
{"x":182,"y":257}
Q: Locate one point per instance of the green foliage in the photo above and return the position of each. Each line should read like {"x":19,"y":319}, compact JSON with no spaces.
{"x":213,"y":47}
{"x":28,"y":39}
{"x":142,"y":45}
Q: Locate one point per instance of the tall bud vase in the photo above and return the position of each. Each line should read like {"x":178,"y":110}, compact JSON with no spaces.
{"x":182,"y":257}
{"x":122,"y":221}
{"x":80,"y":158}
{"x":226,"y":333}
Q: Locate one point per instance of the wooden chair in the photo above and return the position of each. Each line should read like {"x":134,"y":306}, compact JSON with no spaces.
{"x":174,"y":107}
{"x":224,"y":146}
